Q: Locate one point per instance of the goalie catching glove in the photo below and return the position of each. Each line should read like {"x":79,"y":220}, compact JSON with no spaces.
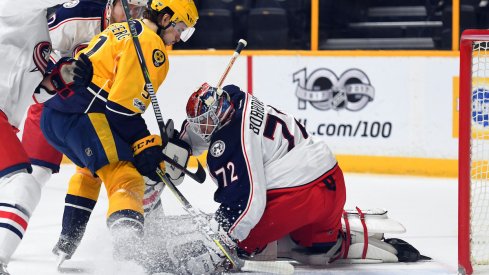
{"x":65,"y":77}
{"x":148,"y":155}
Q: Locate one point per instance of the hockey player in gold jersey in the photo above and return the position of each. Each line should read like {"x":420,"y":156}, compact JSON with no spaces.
{"x":101,"y":128}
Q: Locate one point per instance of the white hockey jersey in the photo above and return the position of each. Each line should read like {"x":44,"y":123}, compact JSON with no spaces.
{"x":260,"y":149}
{"x":74,"y":25}
{"x":24,"y":49}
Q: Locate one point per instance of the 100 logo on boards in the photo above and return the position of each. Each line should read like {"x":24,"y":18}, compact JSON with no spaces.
{"x":324,"y":90}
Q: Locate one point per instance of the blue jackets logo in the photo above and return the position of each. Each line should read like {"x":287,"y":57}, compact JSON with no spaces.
{"x":324,"y":90}
{"x":217,"y":148}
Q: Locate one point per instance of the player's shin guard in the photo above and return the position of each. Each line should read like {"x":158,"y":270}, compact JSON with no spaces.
{"x":19,"y":196}
{"x":83,"y":191}
{"x":41,"y":174}
{"x":125,"y":188}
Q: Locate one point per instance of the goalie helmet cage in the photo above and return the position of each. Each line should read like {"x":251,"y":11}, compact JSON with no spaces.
{"x":473,"y":178}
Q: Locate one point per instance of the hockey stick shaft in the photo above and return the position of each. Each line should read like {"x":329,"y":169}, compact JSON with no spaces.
{"x":200,"y":174}
{"x":241,"y":44}
{"x":144,"y":68}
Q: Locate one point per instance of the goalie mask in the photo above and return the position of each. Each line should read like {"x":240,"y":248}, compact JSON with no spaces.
{"x":208,"y":109}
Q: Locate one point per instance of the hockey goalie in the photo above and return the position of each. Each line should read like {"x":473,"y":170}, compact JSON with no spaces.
{"x":281,"y":193}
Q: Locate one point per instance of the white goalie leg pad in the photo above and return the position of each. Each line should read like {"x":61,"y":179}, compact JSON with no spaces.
{"x":377,"y":252}
{"x":376,"y":220}
{"x":362,"y":241}
{"x":270,"y":253}
{"x":364,"y":231}
{"x":19,"y":196}
{"x":177,"y":246}
{"x":179,"y":151}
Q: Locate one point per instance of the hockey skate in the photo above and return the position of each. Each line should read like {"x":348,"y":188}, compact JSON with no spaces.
{"x":64,"y":249}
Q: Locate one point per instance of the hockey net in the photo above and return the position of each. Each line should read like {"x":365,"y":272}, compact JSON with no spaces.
{"x":473,"y":235}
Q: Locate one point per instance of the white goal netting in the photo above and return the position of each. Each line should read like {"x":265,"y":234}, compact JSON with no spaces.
{"x":479,"y":159}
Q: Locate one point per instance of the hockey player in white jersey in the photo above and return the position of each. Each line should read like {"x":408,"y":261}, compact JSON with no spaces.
{"x":276,"y":182}
{"x":24,"y":47}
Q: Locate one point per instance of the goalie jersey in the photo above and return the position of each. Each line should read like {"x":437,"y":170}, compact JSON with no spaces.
{"x":259,"y":150}
{"x":118,"y":86}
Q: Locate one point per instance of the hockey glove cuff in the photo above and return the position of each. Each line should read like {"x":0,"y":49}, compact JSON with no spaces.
{"x":148,"y":155}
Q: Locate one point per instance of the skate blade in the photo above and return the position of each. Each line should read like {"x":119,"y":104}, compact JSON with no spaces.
{"x":60,"y":260}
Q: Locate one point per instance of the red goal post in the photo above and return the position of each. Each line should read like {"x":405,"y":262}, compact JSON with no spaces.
{"x":473,"y":178}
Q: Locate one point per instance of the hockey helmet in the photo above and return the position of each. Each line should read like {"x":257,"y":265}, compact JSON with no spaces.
{"x":208,"y":109}
{"x":136,"y":10}
{"x":183,"y":11}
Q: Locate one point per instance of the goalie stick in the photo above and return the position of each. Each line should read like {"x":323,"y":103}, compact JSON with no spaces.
{"x":241,"y":44}
{"x":200,"y":174}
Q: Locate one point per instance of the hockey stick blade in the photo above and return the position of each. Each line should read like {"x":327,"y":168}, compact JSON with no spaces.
{"x":268,"y":267}
{"x":198,"y":176}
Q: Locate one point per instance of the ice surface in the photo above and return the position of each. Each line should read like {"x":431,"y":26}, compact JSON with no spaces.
{"x":427,"y":207}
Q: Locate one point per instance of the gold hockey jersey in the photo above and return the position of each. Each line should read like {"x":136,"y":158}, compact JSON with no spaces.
{"x":116,"y":67}
{"x":118,"y":86}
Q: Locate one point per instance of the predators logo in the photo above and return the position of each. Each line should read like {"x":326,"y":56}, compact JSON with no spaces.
{"x":158,"y":58}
